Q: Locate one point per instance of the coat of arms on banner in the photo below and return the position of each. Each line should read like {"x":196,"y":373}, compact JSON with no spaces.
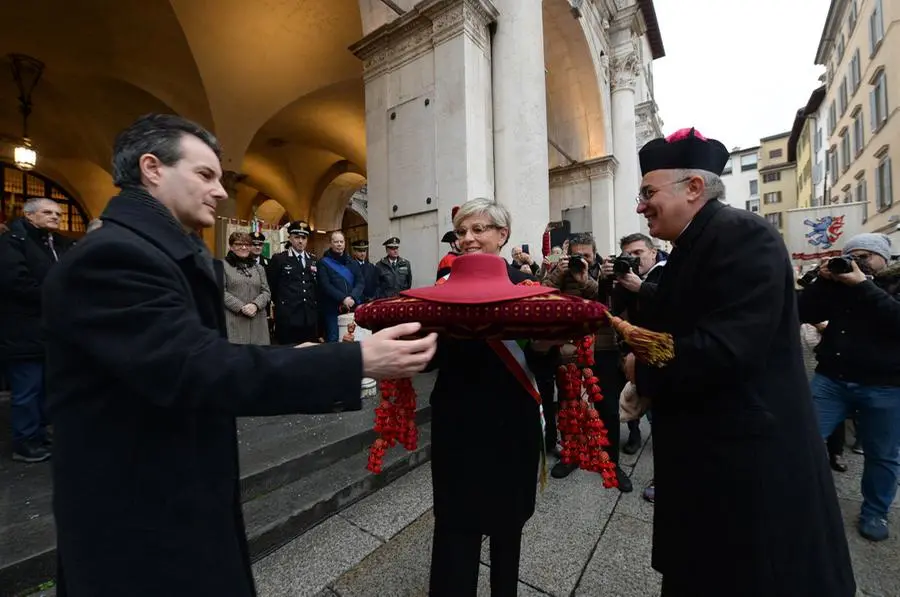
{"x":825,"y":231}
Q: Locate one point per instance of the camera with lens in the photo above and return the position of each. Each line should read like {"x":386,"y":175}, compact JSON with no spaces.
{"x":577,"y":264}
{"x":841,"y":265}
{"x":808,"y":278}
{"x":626,"y":263}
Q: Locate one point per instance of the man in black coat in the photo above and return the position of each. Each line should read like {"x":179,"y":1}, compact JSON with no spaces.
{"x":369,"y":273}
{"x":292,"y":278}
{"x":144,"y":387}
{"x":754,"y":513}
{"x":341,"y":285}
{"x":27,"y":252}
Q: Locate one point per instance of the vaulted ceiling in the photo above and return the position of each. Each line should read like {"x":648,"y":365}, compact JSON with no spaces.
{"x":272,"y":78}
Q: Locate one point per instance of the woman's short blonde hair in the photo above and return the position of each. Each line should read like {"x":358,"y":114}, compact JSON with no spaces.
{"x":236,"y":237}
{"x":496,"y":213}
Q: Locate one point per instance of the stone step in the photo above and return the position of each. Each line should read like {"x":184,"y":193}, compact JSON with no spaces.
{"x":278,"y":451}
{"x":275,"y":453}
{"x":278,"y":517}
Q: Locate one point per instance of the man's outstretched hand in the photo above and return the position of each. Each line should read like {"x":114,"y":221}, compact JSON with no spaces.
{"x":385,"y":356}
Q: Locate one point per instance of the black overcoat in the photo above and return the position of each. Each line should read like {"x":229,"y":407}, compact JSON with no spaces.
{"x":752,"y":510}
{"x":486,"y":438}
{"x":144,"y":389}
{"x":25,"y":260}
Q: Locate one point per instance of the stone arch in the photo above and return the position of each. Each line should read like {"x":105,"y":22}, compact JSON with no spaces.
{"x":140,"y":44}
{"x":336,"y":199}
{"x":255,"y":60}
{"x":302,"y":149}
{"x":577,"y":124}
{"x":271,"y":211}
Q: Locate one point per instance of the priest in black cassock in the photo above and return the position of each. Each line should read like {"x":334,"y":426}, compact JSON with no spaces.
{"x":754,"y":512}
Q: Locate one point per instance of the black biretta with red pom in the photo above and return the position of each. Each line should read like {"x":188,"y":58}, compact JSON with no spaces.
{"x":685,"y":149}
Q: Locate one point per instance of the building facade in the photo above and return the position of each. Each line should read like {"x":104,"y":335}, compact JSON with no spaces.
{"x":777,"y":179}
{"x":541,"y":104}
{"x":860,"y":48}
{"x":741,"y":179}
{"x":806,"y":148}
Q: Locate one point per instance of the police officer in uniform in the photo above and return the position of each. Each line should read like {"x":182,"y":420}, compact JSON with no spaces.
{"x":292,"y":279}
{"x":394,"y":272}
{"x":360,"y":250}
{"x":257,"y":241}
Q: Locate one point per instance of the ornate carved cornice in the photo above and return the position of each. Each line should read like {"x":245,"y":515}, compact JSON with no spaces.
{"x":647,"y":123}
{"x":625,"y":70}
{"x":602,"y":167}
{"x":428,"y":24}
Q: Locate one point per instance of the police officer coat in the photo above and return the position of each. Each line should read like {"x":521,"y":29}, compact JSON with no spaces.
{"x":293,"y":290}
{"x":370,"y":277}
{"x":393,"y":278}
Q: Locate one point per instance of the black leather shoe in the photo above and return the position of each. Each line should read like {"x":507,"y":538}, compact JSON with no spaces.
{"x":561,"y":470}
{"x":625,"y":485}
{"x":837,"y":463}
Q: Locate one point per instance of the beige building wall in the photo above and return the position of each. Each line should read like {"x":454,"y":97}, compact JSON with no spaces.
{"x":860,"y":48}
{"x":805,"y":158}
{"x":777,"y":179}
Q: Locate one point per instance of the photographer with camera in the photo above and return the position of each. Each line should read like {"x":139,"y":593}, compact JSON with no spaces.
{"x":637,"y":271}
{"x":577,"y":274}
{"x":859,"y":363}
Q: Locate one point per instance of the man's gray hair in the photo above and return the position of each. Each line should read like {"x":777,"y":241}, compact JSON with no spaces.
{"x":715,"y":188}
{"x":341,"y":232}
{"x":34,"y":204}
{"x":495,"y":212}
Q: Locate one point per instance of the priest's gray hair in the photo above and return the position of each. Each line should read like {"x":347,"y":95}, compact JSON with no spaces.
{"x":495,"y":212}
{"x":715,"y":188}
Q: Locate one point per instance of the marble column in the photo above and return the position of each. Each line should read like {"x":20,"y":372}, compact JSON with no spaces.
{"x":428,"y":123}
{"x":625,"y":69}
{"x":588,"y":184}
{"x":521,"y":162}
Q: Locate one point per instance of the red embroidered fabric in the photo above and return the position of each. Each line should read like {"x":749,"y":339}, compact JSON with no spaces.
{"x":549,"y":316}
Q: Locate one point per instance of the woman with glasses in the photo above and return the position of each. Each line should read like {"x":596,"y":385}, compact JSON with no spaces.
{"x":246,"y":293}
{"x":486,"y":439}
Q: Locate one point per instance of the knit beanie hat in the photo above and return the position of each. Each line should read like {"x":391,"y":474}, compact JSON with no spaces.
{"x":873,"y":242}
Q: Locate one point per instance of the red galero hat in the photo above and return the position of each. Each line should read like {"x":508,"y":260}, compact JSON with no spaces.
{"x":476,"y":279}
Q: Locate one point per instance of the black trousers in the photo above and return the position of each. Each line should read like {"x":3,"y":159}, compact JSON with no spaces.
{"x":546,"y":382}
{"x":608,"y":368}
{"x":455,"y":559}
{"x":836,"y":440}
{"x":291,"y":335}
{"x":678,"y":587}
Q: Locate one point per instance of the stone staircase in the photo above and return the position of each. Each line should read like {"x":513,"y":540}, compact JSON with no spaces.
{"x":296,"y":472}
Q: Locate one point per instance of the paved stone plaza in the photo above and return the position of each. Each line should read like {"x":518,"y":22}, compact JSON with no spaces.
{"x":583,"y":540}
